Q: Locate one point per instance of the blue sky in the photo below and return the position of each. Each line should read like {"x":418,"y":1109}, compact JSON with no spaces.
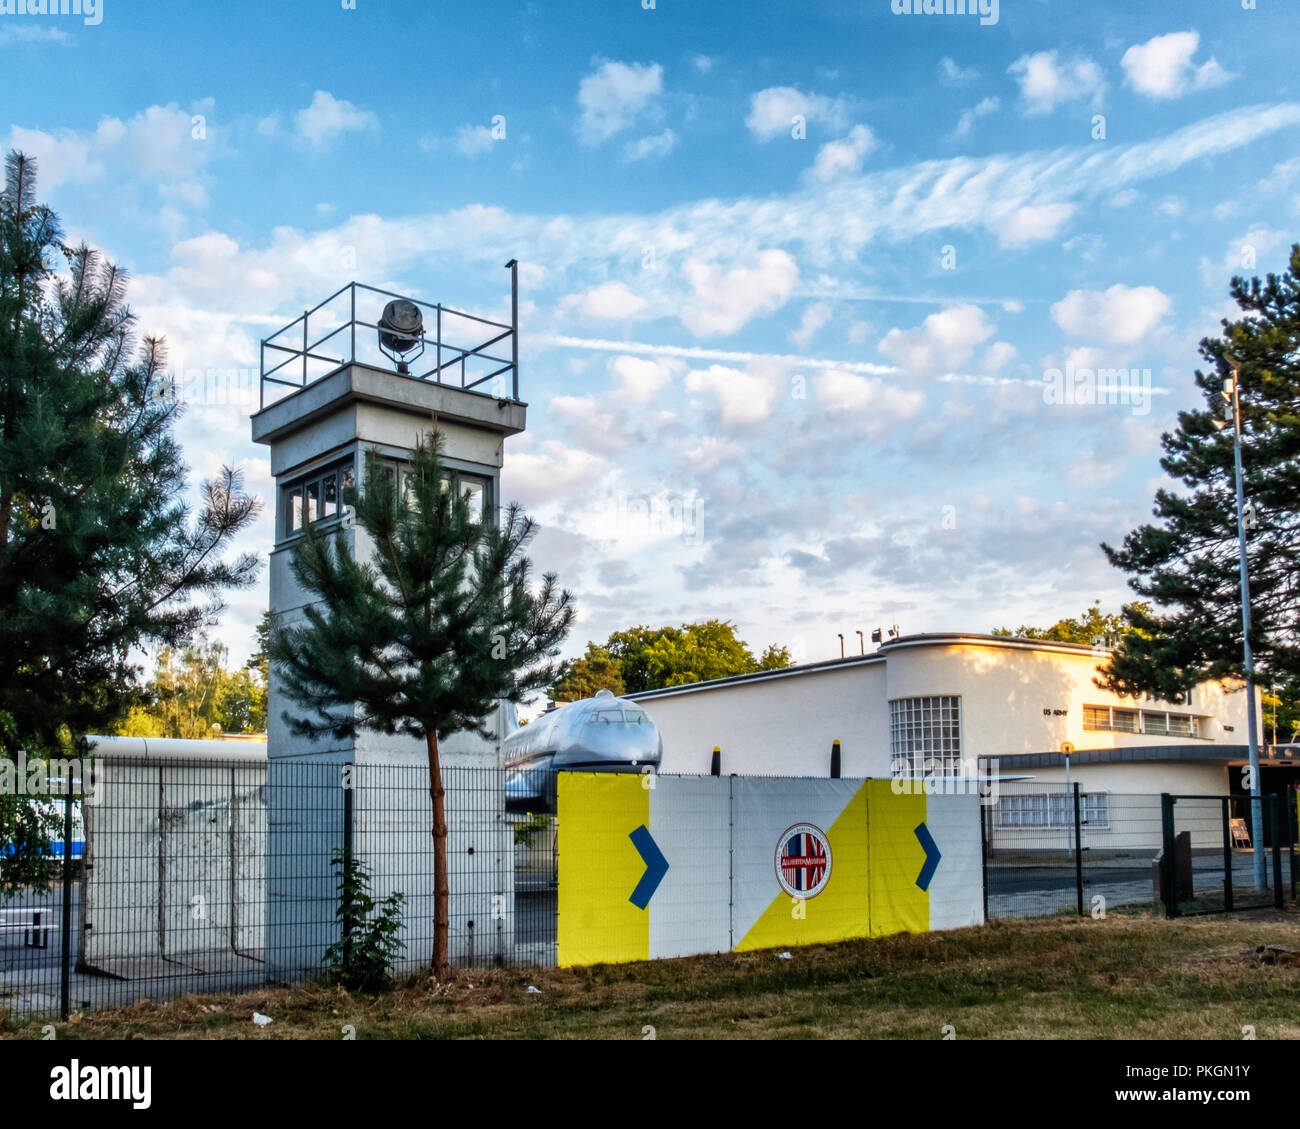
{"x":797,"y":278}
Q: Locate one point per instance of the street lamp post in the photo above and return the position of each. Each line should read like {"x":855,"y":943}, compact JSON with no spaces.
{"x":1256,"y":797}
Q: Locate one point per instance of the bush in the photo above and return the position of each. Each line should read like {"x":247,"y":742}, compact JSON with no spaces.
{"x":362,"y":958}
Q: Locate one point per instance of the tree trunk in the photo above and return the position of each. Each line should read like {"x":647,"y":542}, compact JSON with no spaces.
{"x":441,"y":920}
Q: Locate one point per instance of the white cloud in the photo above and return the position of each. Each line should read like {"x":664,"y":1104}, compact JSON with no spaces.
{"x":702,"y":63}
{"x":1162,"y":67}
{"x":157,"y":145}
{"x":872,"y":405}
{"x":950,"y":72}
{"x":702,"y":353}
{"x":553,"y":472}
{"x":836,"y":158}
{"x":814,"y":318}
{"x":1031,"y":224}
{"x":744,"y":396}
{"x":997,"y":356}
{"x":11,"y":32}
{"x":641,"y":380}
{"x":944,"y":341}
{"x":1046,"y":81}
{"x":1246,"y":256}
{"x":722,"y":301}
{"x":613,"y":96}
{"x":705,"y":453}
{"x":653,"y":146}
{"x":474,"y":140}
{"x":772,"y":111}
{"x":1121,"y":315}
{"x":328,"y":117}
{"x":614,"y":301}
{"x":966,"y":122}
{"x":1284,"y":174}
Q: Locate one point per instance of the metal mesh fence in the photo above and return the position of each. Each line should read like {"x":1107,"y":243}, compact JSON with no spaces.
{"x":186,"y":876}
{"x":216,"y":876}
{"x":1052,"y":849}
{"x":1213,"y":862}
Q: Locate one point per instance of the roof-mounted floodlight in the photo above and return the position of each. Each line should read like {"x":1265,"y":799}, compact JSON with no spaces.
{"x":401,"y":333}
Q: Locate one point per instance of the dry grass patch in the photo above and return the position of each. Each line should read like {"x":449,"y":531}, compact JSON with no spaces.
{"x":1128,"y":976}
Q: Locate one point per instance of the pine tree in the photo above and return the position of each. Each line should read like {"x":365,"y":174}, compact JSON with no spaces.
{"x":425,"y":638}
{"x":98,"y":554}
{"x":1187,"y":563}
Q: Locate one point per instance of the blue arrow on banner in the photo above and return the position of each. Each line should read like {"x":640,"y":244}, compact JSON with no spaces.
{"x":656,"y":866}
{"x":932,"y":855}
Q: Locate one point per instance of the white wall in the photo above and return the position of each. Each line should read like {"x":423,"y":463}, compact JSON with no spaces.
{"x":779,"y":726}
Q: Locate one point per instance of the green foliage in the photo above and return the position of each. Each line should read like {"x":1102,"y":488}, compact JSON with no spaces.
{"x":1090,"y":627}
{"x":1186,"y":563}
{"x":259,"y":667}
{"x":582,"y":678}
{"x":527,"y":831}
{"x":192,"y":695}
{"x":427,"y":636}
{"x":98,"y":552}
{"x":28,"y":825}
{"x":362,"y":958}
{"x":648,"y":658}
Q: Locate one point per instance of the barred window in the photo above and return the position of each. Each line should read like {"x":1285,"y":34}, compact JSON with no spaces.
{"x":925,"y":736}
{"x":1157,"y":723}
{"x":1054,"y":810}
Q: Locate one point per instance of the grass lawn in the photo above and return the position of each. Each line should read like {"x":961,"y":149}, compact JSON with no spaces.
{"x":1129,"y":976}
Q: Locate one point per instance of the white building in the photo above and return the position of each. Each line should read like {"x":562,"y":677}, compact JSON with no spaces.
{"x":961,"y":704}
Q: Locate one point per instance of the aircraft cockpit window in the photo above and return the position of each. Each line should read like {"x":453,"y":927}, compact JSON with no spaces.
{"x":617,"y":717}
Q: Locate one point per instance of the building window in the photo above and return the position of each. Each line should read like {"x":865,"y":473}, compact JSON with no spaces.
{"x":925,"y":736}
{"x":317,"y":496}
{"x":476,"y":488}
{"x":1054,"y":810}
{"x":1156,"y":723}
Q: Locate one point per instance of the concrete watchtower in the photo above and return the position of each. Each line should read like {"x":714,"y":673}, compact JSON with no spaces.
{"x":370,"y":370}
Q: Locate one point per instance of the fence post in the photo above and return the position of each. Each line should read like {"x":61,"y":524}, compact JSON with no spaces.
{"x":731,"y":859}
{"x":1167,"y":857}
{"x":715,"y":765}
{"x":1277,"y":849}
{"x":1225,"y":803}
{"x":1290,"y":832}
{"x":65,"y":938}
{"x":347,"y":872}
{"x":835,"y":759}
{"x":985,"y":812}
{"x":1078,"y":849}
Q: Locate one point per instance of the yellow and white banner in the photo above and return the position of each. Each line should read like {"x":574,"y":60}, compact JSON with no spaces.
{"x":674,"y":865}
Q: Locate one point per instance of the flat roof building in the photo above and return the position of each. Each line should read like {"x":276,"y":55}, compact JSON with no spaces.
{"x":939,"y":704}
